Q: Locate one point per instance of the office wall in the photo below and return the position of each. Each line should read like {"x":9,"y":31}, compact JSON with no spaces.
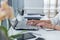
{"x":30,"y":6}
{"x":34,"y":6}
{"x":20,"y":4}
{"x":17,"y":4}
{"x":14,"y":5}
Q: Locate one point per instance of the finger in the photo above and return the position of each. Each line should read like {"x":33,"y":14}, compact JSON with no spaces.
{"x":33,"y":24}
{"x":30,"y":21}
{"x":39,"y":24}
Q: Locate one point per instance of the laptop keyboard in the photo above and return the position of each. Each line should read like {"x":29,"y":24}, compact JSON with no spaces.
{"x":22,"y":25}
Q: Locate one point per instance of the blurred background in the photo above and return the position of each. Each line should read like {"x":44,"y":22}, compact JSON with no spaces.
{"x":35,"y":8}
{"x":41,"y":7}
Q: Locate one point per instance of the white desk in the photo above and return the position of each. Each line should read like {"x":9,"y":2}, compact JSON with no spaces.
{"x":48,"y":35}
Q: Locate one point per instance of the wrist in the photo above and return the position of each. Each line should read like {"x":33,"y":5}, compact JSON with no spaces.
{"x":53,"y":26}
{"x":57,"y":27}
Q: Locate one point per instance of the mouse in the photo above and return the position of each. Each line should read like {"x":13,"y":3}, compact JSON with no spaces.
{"x":40,"y":38}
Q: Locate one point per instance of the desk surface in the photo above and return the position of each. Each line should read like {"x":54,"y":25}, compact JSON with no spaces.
{"x":48,"y":35}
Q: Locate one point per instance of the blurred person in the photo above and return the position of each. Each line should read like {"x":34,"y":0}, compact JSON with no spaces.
{"x":6,"y":10}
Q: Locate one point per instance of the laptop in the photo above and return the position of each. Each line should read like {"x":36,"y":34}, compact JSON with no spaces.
{"x":21,"y":25}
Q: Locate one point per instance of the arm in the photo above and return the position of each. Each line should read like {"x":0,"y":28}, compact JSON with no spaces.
{"x":51,"y":26}
{"x":57,"y":27}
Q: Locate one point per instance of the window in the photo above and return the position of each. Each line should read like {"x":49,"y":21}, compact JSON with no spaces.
{"x":50,"y":7}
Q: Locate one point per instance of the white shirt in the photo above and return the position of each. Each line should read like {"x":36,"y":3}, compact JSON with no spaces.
{"x":56,"y":19}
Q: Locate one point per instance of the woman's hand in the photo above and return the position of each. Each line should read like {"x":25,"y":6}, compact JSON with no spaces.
{"x":40,"y":23}
{"x":32,"y":22}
